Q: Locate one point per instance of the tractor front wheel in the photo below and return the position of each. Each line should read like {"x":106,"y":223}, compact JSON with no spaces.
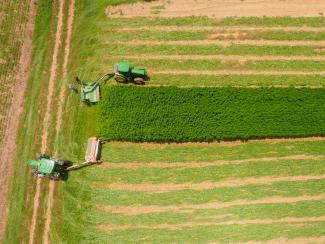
{"x":120,"y":79}
{"x":139,"y":81}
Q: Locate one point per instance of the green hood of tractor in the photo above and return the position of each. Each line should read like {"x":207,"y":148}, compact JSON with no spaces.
{"x":33,"y":163}
{"x":44,"y":165}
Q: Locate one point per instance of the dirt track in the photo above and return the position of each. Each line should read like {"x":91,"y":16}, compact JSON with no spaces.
{"x":7,"y":153}
{"x":221,"y":28}
{"x":219,"y":8}
{"x":48,"y":215}
{"x":200,"y":224}
{"x":47,"y":115}
{"x":222,"y":43}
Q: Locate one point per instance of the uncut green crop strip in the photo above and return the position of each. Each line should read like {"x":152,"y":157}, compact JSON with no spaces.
{"x":207,"y":114}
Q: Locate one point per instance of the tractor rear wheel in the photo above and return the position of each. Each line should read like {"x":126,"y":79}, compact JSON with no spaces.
{"x":120,"y":79}
{"x":139,"y":81}
{"x":55,"y":176}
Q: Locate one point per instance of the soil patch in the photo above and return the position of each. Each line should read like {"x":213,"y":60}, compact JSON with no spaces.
{"x":218,"y":8}
{"x":8,"y":152}
{"x":225,"y":43}
{"x":199,"y":224}
{"x":219,"y":28}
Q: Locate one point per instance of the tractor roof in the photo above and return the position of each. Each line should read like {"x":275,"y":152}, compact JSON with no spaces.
{"x":123,"y":67}
{"x":46,"y":166}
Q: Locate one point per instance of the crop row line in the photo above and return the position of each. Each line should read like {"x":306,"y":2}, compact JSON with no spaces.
{"x":217,"y":28}
{"x":220,"y":57}
{"x":237,"y":72}
{"x":220,"y":42}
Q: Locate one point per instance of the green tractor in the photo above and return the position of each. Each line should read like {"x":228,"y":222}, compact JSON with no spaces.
{"x":57,"y":169}
{"x":45,"y":166}
{"x":123,"y":73}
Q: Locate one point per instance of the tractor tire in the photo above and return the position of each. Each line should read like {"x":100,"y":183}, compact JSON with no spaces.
{"x":120,"y":79}
{"x":138,"y":81}
{"x":34,"y":172}
{"x":55,"y":176}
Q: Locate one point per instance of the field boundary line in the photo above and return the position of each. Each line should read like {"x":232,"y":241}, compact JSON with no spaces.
{"x":146,"y":209}
{"x":239,"y":58}
{"x":50,"y":198}
{"x":7,"y":153}
{"x":236,"y":72}
{"x":47,"y":113}
{"x":216,"y":143}
{"x":137,"y":165}
{"x":219,"y":42}
{"x":237,"y":86}
{"x":231,"y":222}
{"x":169,"y":187}
{"x":219,"y":28}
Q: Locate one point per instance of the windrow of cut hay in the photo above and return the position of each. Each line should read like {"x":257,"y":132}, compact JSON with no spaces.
{"x":166,"y":114}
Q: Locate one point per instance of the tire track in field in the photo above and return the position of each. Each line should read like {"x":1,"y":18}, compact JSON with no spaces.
{"x":236,"y":72}
{"x":47,"y":114}
{"x":200,"y":224}
{"x":219,"y":43}
{"x":8,"y":151}
{"x":137,"y":165}
{"x":48,"y":215}
{"x":146,"y":209}
{"x":162,"y":188}
{"x":240,"y":58}
{"x":218,"y":28}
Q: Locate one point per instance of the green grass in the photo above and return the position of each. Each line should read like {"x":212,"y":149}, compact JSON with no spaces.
{"x":170,"y":64}
{"x":12,"y":24}
{"x":210,"y":173}
{"x":158,"y":35}
{"x":236,"y":80}
{"x":76,"y":217}
{"x":105,"y":196}
{"x":83,"y":187}
{"x":120,"y":49}
{"x":22,"y":184}
{"x":118,"y":152}
{"x":171,"y":114}
{"x":204,"y":21}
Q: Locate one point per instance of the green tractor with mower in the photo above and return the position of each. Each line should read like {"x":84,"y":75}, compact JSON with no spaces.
{"x":57,"y":169}
{"x":123,"y":73}
{"x":45,"y":166}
